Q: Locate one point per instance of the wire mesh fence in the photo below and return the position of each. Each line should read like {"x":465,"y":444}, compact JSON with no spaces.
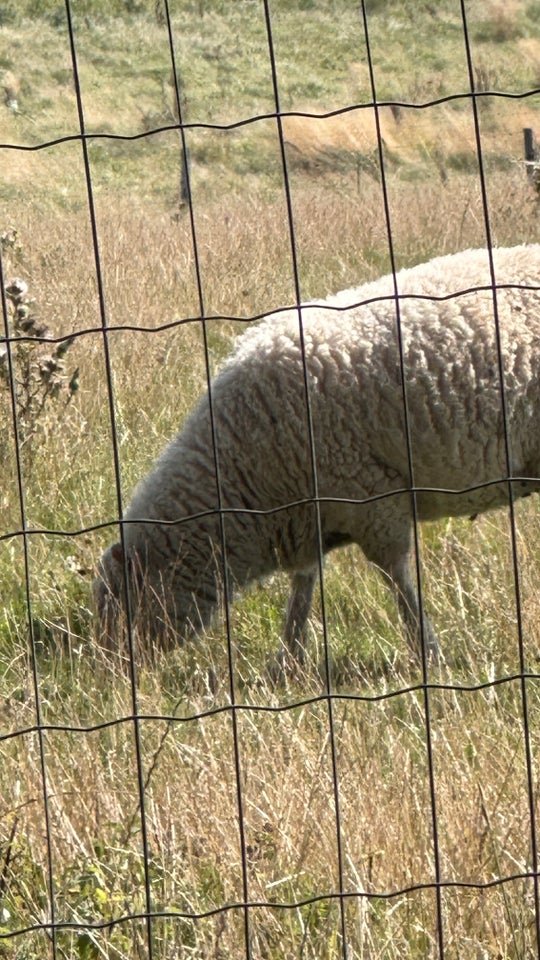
{"x":369,"y":802}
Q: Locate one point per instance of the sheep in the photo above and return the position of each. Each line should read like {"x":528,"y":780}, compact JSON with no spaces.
{"x":348,"y":351}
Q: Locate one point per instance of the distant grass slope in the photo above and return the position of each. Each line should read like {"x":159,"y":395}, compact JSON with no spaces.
{"x":224,"y":71}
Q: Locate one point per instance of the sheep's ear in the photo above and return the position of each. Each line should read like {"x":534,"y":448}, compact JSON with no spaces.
{"x":117,"y":553}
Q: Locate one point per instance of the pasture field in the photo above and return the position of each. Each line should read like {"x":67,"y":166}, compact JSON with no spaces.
{"x":248,"y":803}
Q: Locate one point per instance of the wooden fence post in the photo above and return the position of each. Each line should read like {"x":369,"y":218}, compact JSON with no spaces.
{"x":532,"y":163}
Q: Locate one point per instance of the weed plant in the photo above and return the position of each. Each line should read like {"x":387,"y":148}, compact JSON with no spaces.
{"x":32,"y":370}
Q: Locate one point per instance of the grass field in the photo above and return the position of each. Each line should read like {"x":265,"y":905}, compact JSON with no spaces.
{"x":249,"y":803}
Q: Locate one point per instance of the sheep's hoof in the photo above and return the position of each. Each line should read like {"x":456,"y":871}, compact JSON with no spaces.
{"x":433,"y":653}
{"x":286,"y":666}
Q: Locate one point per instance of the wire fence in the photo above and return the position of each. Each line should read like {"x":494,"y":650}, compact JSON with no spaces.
{"x":129,"y":890}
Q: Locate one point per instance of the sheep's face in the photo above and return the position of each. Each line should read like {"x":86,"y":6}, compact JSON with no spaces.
{"x":162,"y":607}
{"x":109,"y":593}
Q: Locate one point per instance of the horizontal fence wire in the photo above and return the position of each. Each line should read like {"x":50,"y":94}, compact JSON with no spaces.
{"x":332,"y":697}
{"x":323,"y":698}
{"x":270,"y":511}
{"x":186,"y":125}
{"x":305,"y":309}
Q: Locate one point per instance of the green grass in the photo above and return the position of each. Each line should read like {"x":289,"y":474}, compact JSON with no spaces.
{"x":149,"y":262}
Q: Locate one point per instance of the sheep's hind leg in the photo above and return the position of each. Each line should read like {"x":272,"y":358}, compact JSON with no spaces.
{"x":394,"y":562}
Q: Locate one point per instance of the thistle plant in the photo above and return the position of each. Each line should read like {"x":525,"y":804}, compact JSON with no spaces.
{"x":32,"y":368}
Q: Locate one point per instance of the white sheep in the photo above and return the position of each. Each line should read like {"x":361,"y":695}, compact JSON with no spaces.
{"x":349,"y":356}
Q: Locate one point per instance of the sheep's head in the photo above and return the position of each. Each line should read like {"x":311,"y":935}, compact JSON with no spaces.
{"x":164,"y":607}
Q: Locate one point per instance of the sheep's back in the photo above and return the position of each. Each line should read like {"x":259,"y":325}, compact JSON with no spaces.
{"x":354,"y":358}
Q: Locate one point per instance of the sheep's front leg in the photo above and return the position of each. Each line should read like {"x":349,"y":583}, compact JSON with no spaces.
{"x":292,"y":651}
{"x":407,"y":597}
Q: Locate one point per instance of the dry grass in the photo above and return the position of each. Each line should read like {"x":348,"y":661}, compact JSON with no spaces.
{"x":288,"y":825}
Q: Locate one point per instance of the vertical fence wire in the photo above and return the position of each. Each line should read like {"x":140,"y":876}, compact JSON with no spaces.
{"x":314,"y":475}
{"x":227,"y":591}
{"x":331,"y":697}
{"x":510,"y":472}
{"x":40,"y":729}
{"x":117,"y":480}
{"x":413,"y":497}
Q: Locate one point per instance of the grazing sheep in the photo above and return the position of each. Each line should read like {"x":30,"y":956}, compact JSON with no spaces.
{"x":352,"y":360}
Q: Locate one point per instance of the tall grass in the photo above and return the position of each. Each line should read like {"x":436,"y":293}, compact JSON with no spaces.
{"x":194,"y":853}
